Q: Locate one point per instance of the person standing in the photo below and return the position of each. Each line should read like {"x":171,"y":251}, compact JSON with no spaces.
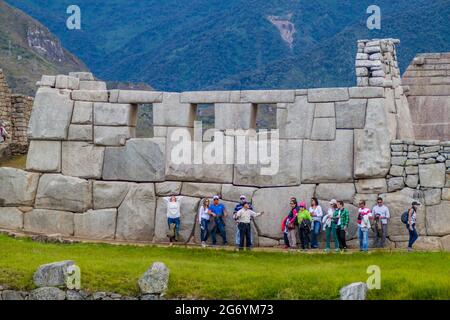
{"x":238,"y":207}
{"x":3,"y":133}
{"x":327,"y":222}
{"x":288,"y":226}
{"x":173,"y":216}
{"x":342,"y":224}
{"x":335,"y":223}
{"x":412,"y":215}
{"x":244,"y":216}
{"x":381,"y":217}
{"x":203,"y":219}
{"x":304,"y":221}
{"x":316,"y":214}
{"x":364,"y":216}
{"x":218,"y":211}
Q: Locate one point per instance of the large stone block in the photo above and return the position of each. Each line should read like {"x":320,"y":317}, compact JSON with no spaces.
{"x":115,"y":114}
{"x":199,"y":97}
{"x":432,"y":197}
{"x":52,"y":274}
{"x":328,"y":161}
{"x":235,"y":116}
{"x":83,"y":76}
{"x":295,"y":122}
{"x":171,"y":112}
{"x":180,"y":164}
{"x":188,"y":209}
{"x":82,"y":160}
{"x":80,"y":132}
{"x":233,"y":193}
{"x":51,"y":115}
{"x":67,"y":82}
{"x":201,"y":190}
{"x":368,"y":186}
{"x":432,"y":175}
{"x":338,"y":191}
{"x":139,"y":97}
{"x":11,"y":218}
{"x":372,"y":144}
{"x":49,"y":222}
{"x":268,"y":96}
{"x":109,"y":194}
{"x":18,"y":188}
{"x":141,"y":160}
{"x":328,"y":95}
{"x":324,"y":129}
{"x":82,"y":112}
{"x":275,"y":203}
{"x":366,"y":92}
{"x":168,"y":188}
{"x":351,"y":114}
{"x":44,"y":156}
{"x":96,"y":224}
{"x":283,"y":170}
{"x":325,"y":110}
{"x":58,"y":192}
{"x":90,"y":95}
{"x":136,"y":215}
{"x":113,"y":136}
{"x":438,"y":219}
{"x":92,"y":85}
{"x":398,"y":202}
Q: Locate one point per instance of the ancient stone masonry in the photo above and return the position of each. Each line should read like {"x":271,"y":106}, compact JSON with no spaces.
{"x":428,"y":78}
{"x":15,"y":112}
{"x":88,"y":177}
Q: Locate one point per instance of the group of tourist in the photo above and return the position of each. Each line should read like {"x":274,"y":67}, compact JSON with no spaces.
{"x":3,"y":132}
{"x":300,"y":223}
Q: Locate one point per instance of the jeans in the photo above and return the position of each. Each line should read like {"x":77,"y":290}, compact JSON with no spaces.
{"x":238,"y":236}
{"x":316,"y":227}
{"x":331,"y":231}
{"x":380,"y":237}
{"x":204,"y":233}
{"x":341,"y":235}
{"x":175,"y":221}
{"x":412,"y":235}
{"x":363,"y":235}
{"x":220,"y":226}
{"x":244,"y":233}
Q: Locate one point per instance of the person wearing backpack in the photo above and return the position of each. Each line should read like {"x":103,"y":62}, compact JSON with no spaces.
{"x":304,"y":222}
{"x":411,"y":224}
{"x":288,"y":226}
{"x":3,"y":133}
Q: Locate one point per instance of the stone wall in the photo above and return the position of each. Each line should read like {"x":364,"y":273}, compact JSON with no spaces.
{"x":87,"y":176}
{"x":428,"y":78}
{"x":15,"y":112}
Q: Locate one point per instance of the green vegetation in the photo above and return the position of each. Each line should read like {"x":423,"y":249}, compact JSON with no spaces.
{"x":18,"y":162}
{"x":214,"y":44}
{"x":221,"y":274}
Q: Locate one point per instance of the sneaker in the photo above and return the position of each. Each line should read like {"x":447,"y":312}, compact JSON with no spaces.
{"x":410,"y":249}
{"x":203,"y":244}
{"x":326,"y":250}
{"x":337,"y":250}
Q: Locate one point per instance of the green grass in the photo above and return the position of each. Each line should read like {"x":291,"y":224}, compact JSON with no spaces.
{"x":221,"y":274}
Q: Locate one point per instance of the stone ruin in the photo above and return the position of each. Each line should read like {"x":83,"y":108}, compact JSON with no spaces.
{"x":15,"y":111}
{"x":88,"y":177}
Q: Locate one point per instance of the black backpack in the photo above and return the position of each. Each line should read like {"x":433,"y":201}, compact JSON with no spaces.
{"x":405,"y":217}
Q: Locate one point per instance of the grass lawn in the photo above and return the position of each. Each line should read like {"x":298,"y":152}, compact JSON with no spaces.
{"x":18,"y":162}
{"x":221,"y":274}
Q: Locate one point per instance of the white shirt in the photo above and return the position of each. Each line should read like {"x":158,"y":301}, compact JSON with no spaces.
{"x":365,"y":222}
{"x":173,"y":207}
{"x":245,"y":215}
{"x":203,"y":213}
{"x":327,"y":218}
{"x":318,"y":213}
{"x":383,"y":212}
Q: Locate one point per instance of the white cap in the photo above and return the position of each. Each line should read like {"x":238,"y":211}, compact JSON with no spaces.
{"x":333,"y":201}
{"x":216,"y":198}
{"x":242,"y":197}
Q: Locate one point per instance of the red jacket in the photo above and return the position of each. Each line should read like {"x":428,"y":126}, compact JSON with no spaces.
{"x":283,"y":224}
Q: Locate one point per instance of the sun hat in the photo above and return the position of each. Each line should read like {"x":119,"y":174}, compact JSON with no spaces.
{"x":333,"y":201}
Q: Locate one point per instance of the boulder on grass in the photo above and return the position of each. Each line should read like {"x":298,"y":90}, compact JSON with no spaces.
{"x":155,"y":280}
{"x":354,"y":291}
{"x":52,"y":274}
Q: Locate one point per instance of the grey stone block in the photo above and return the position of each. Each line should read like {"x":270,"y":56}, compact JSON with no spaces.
{"x":82,"y":160}
{"x":351,"y":114}
{"x":44,"y":156}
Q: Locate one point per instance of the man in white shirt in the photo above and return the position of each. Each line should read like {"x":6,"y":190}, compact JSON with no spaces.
{"x":381,"y":220}
{"x":243,"y":217}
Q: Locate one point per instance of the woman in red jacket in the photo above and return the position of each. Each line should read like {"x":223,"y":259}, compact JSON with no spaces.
{"x":288,"y":226}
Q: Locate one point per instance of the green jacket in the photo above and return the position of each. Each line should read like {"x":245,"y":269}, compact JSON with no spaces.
{"x":304,"y":214}
{"x":345,"y":216}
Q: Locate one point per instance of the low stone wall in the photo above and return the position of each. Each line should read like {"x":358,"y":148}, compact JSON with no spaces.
{"x":87,"y":176}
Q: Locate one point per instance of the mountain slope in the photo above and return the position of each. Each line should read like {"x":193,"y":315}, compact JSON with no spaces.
{"x":28,"y":50}
{"x":215,"y":44}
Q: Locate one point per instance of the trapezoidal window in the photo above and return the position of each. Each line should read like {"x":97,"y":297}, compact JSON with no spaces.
{"x":144,"y":124}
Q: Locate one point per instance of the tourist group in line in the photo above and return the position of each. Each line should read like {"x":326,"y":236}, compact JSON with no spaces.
{"x":301,"y":227}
